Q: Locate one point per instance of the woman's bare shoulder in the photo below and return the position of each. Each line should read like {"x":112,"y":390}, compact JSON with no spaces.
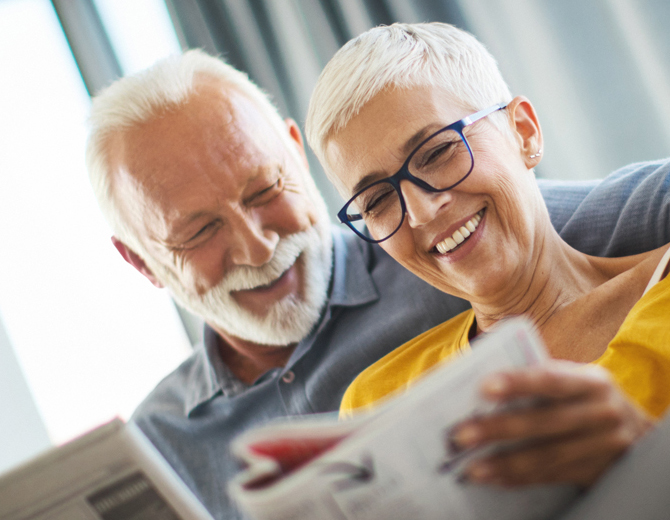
{"x":638,"y":267}
{"x":583,"y":328}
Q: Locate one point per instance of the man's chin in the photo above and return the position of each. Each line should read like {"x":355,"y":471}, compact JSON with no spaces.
{"x":291,"y":315}
{"x":287,"y":322}
{"x":259,"y":301}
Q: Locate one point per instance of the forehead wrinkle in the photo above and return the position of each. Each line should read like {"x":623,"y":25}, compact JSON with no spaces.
{"x":421,"y":134}
{"x":400,"y":155}
{"x":397,"y":154}
{"x":144,"y":198}
{"x":139,"y":210}
{"x":226,"y":136}
{"x":245,"y":137}
{"x":127,"y":190}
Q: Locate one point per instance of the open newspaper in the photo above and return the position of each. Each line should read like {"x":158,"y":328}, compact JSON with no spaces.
{"x":398,"y":462}
{"x":110,"y":473}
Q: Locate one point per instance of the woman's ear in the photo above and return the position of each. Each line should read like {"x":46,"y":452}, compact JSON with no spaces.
{"x":526,"y":127}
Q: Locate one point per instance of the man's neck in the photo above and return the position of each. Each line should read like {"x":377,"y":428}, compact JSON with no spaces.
{"x":247,"y":360}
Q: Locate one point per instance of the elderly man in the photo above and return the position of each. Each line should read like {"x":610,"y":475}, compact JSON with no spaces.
{"x":208,"y":193}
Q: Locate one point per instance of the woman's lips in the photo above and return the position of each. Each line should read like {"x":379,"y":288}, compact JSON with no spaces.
{"x":461,"y":235}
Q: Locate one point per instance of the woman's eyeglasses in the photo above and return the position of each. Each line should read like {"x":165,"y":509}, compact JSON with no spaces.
{"x":439,"y":163}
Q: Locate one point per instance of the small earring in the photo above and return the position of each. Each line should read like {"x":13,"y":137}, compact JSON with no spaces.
{"x":539,"y":152}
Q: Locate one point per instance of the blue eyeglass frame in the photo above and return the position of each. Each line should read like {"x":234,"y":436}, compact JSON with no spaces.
{"x":404,"y":174}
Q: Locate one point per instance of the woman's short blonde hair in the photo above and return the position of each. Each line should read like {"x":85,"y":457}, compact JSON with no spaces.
{"x":403,"y":56}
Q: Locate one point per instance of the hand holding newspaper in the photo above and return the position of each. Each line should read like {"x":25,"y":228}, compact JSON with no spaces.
{"x":397,"y":462}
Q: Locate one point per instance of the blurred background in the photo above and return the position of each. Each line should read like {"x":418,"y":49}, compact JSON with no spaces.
{"x":83,"y":337}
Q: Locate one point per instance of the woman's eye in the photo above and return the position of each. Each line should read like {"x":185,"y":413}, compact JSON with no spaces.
{"x":437,"y":153}
{"x":378,"y":200}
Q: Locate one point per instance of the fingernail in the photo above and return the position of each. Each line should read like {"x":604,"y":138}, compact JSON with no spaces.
{"x":480,"y":471}
{"x":495,"y":385}
{"x":468,"y":436}
{"x":453,"y":446}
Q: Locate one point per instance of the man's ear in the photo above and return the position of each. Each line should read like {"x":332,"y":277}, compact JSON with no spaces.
{"x":294,"y":132}
{"x":525,"y":123}
{"x":134,"y":259}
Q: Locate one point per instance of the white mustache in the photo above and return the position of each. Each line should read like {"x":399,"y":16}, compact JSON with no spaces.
{"x":286,"y":253}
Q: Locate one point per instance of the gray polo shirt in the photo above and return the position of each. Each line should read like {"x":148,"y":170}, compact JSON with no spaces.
{"x":374,"y":306}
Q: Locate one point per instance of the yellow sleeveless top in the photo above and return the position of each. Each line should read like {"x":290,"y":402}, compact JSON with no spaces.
{"x":638,"y":357}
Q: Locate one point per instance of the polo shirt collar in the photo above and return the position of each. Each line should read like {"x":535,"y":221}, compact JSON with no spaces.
{"x":352,"y":262}
{"x":352,"y":285}
{"x":208,"y":375}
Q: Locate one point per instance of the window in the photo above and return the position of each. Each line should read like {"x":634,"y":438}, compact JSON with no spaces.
{"x":92,"y":336}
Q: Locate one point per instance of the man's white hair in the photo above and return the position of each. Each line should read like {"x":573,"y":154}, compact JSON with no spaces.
{"x":139,"y":98}
{"x":403,"y":56}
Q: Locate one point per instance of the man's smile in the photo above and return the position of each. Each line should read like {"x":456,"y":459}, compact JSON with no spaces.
{"x":258,"y":299}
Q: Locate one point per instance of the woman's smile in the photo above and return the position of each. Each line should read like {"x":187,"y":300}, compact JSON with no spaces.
{"x":461,"y":235}
{"x":462,"y":250}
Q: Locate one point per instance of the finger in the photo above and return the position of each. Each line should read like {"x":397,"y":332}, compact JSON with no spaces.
{"x":578,"y":460}
{"x":549,"y":421}
{"x":583,"y":474}
{"x":555,"y":380}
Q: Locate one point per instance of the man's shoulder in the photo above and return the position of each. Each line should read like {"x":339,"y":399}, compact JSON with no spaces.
{"x":628,"y":212}
{"x":377,"y":261}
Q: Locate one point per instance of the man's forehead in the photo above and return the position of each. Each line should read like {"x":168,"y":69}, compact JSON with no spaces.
{"x":215,"y":119}
{"x":183,"y":157}
{"x":229,"y":99}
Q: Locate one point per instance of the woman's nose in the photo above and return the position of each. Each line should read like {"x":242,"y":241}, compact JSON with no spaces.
{"x":422,"y":205}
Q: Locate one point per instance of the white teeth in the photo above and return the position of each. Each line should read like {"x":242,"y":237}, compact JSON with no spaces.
{"x":446,"y":245}
{"x":459,"y":236}
{"x":450,"y":243}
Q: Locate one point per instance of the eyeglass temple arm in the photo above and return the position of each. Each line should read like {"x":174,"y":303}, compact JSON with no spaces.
{"x":482,"y":113}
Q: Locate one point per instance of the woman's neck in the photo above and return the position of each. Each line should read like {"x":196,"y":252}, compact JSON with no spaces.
{"x":577,"y":301}
{"x":556,"y":276}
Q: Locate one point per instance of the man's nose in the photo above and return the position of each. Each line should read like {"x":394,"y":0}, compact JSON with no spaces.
{"x":252,"y":244}
{"x":422,"y":205}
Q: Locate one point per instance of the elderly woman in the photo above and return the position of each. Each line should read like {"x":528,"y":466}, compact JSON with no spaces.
{"x":418,"y":130}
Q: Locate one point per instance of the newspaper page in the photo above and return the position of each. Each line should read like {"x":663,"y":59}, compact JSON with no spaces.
{"x":110,"y":473}
{"x":397,"y":463}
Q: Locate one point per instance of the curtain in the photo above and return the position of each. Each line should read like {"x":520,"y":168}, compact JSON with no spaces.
{"x":596,"y":71}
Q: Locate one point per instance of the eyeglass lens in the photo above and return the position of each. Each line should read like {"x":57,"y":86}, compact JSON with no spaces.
{"x":441,"y":162}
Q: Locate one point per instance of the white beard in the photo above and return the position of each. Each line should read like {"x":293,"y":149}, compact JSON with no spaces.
{"x":290,"y":319}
